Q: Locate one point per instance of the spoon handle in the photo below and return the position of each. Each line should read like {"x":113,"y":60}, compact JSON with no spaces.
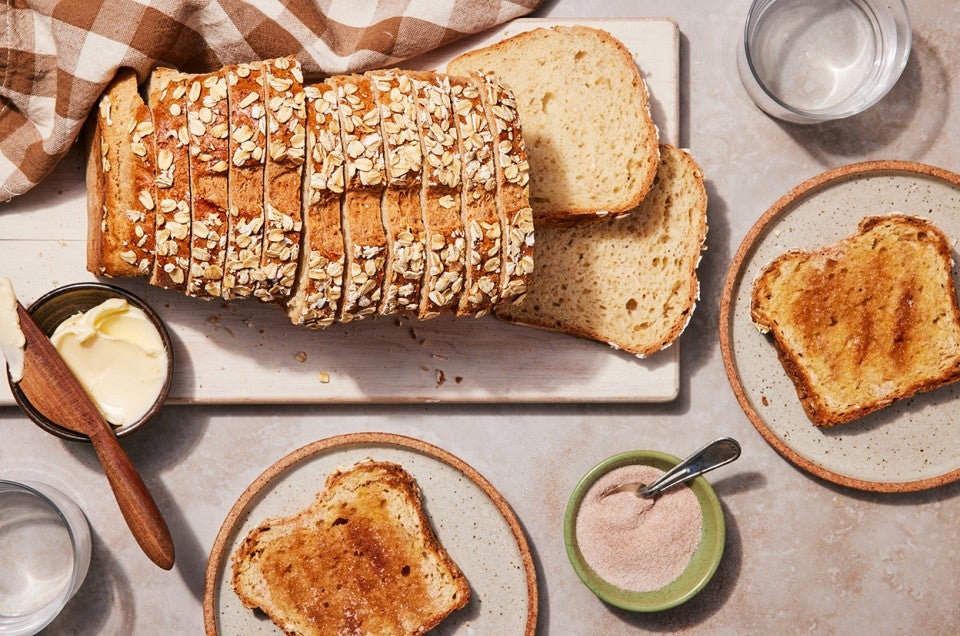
{"x":140,"y":511}
{"x":715,"y":454}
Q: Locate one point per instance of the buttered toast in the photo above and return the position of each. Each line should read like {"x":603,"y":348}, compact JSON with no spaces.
{"x":362,"y":558}
{"x":866,"y":321}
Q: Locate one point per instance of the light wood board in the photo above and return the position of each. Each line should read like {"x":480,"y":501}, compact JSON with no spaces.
{"x":246,"y":352}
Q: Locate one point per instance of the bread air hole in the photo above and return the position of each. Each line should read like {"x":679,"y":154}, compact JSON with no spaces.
{"x":579,"y":55}
{"x":545,"y":103}
{"x":631,"y":305}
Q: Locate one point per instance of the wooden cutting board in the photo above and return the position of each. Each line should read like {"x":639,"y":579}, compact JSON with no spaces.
{"x":245,"y":352}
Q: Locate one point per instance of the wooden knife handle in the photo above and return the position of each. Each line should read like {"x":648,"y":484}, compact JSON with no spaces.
{"x":136,"y":504}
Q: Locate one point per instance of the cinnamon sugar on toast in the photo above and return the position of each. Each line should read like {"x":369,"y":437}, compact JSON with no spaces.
{"x":362,"y":558}
{"x":865,"y":322}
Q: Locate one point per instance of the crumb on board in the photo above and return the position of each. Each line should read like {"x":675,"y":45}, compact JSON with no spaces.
{"x":301,"y":357}
{"x":458,"y":379}
{"x":324,"y":377}
{"x":441,"y":378}
{"x":438,"y":356}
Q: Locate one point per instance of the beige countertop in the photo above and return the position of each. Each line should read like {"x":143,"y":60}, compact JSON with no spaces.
{"x":802,"y":554}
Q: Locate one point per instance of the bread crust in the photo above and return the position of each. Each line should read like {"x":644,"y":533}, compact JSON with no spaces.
{"x":172,"y":232}
{"x":408,"y":581}
{"x":365,"y":239}
{"x":248,"y":153}
{"x":889,"y":331}
{"x":121,"y":201}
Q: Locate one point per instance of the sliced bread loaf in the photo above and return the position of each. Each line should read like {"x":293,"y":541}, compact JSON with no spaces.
{"x":317,"y":294}
{"x":440,"y":197}
{"x":866,"y":321}
{"x":362,"y":558}
{"x":208,"y":123}
{"x":365,"y":240}
{"x":630,"y":282}
{"x":248,"y":153}
{"x":168,"y":103}
{"x":121,"y":182}
{"x":585,"y":110}
{"x":286,"y":148}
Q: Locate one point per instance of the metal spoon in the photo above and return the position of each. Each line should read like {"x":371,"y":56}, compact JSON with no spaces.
{"x":715,"y":454}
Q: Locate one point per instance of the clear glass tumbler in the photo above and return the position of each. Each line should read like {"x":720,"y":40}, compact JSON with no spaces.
{"x":44,"y":554}
{"x":809,"y":61}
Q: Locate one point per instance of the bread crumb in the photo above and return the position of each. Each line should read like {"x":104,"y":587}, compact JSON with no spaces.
{"x":323,"y":377}
{"x":438,"y":356}
{"x":441,"y":378}
{"x":302,"y":356}
{"x":458,"y":379}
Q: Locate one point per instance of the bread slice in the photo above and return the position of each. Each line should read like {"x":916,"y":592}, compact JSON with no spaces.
{"x":208,"y":125}
{"x":482,"y":222}
{"x":120,"y":173}
{"x":513,"y":187}
{"x":365,"y":240}
{"x":283,"y":173}
{"x":248,"y":153}
{"x":630,"y":282}
{"x":864,"y":322}
{"x":168,"y":103}
{"x":445,"y":275}
{"x":400,"y":205}
{"x":317,"y":294}
{"x":586,"y":119}
{"x":362,"y":559}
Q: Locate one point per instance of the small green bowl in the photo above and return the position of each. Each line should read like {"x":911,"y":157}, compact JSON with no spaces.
{"x":702,"y":565}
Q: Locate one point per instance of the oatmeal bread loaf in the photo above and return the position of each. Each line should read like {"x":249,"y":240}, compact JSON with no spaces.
{"x":248,"y":154}
{"x":864,"y":322}
{"x":440,"y":197}
{"x":316,"y":298}
{"x":630,"y":282}
{"x":168,"y":104}
{"x":362,"y":558}
{"x":400,"y":206}
{"x":209,"y":130}
{"x":365,"y":240}
{"x":482,"y":221}
{"x":286,"y":148}
{"x":586,"y":117}
{"x":120,"y":173}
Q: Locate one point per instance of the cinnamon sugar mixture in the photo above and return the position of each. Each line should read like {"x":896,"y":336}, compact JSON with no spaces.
{"x":634,"y":543}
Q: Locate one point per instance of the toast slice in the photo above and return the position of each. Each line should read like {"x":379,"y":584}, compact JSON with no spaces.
{"x":248,"y":153}
{"x":208,"y":125}
{"x":120,"y":180}
{"x":362,"y":558}
{"x":630,"y":282}
{"x":865,"y":322}
{"x":586,"y":118}
{"x":400,"y":206}
{"x":513,"y":188}
{"x":365,"y":240}
{"x":283,"y":173}
{"x":317,"y":294}
{"x":440,"y":197}
{"x":168,"y":103}
{"x":481,"y":219}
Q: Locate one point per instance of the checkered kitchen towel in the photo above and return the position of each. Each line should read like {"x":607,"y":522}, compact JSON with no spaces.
{"x":57,"y":56}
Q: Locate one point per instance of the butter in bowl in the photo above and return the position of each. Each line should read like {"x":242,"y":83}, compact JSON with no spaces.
{"x":116,"y":345}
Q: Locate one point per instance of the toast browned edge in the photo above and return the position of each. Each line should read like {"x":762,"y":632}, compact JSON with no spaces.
{"x":561,"y":217}
{"x":683,"y":318}
{"x":818,"y":412}
{"x":248,"y":546}
{"x":96,"y":196}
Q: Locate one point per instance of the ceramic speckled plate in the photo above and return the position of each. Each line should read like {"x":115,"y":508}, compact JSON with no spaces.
{"x":471,"y":519}
{"x":913,"y":444}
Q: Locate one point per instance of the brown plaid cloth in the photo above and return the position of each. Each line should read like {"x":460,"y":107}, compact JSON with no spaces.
{"x":56,"y":57}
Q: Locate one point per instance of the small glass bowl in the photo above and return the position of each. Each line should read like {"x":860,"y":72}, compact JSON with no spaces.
{"x":57,"y":305}
{"x":44,"y":554}
{"x":821,"y":60}
{"x":703,"y":563}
